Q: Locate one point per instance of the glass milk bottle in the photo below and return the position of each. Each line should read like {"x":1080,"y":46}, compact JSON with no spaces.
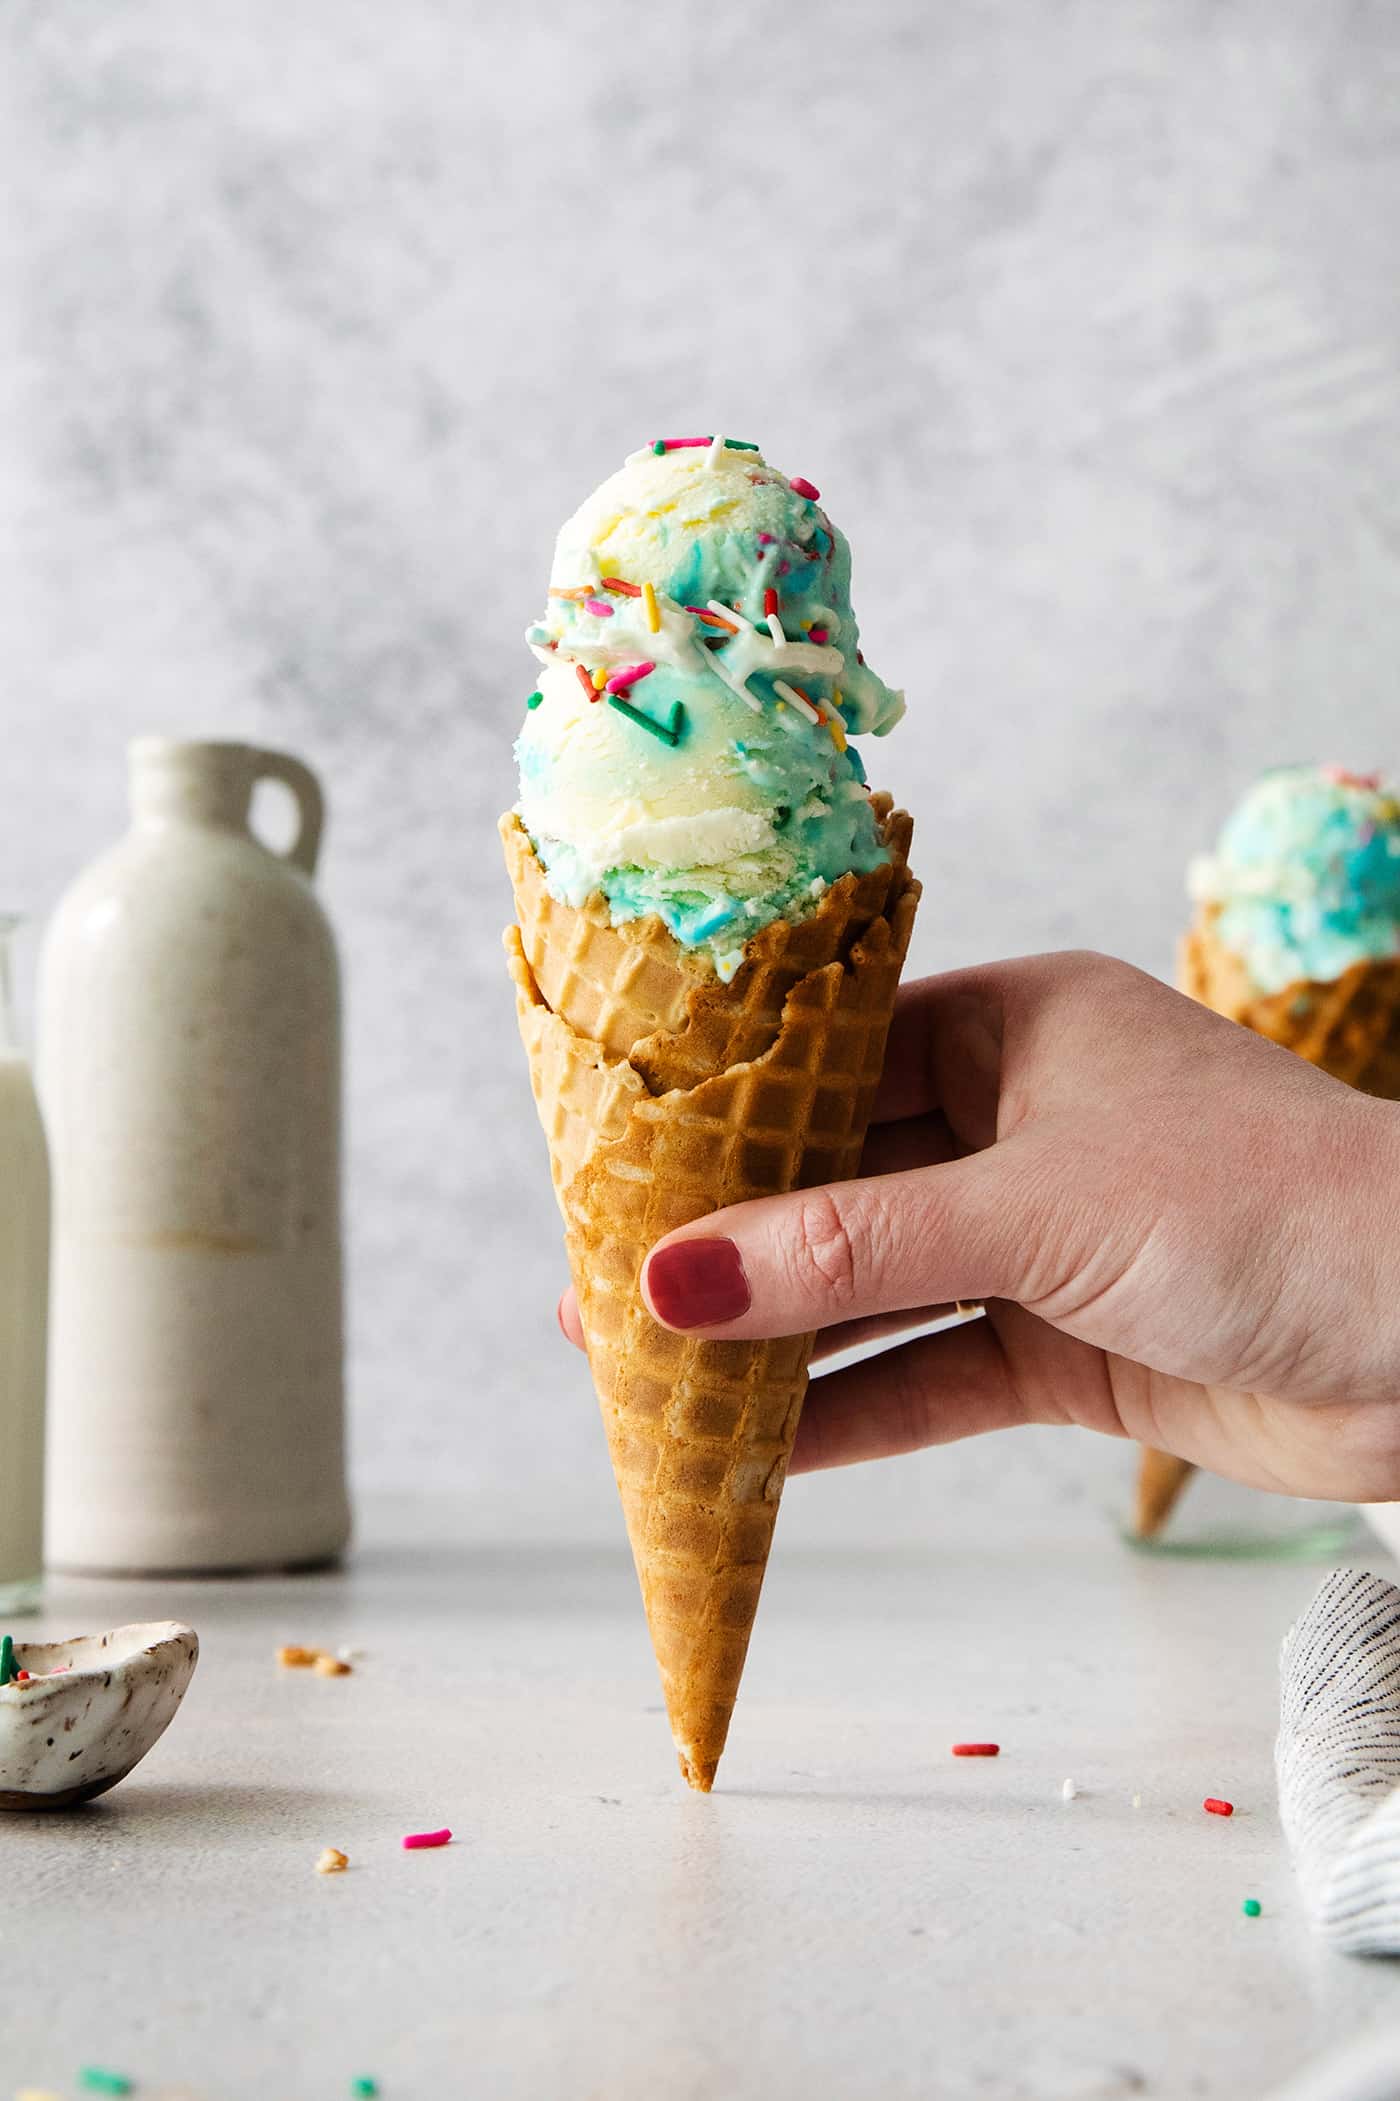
{"x":189,"y":1044}
{"x":24,"y":1290}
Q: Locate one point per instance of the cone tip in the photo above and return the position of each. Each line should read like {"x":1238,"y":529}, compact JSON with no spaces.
{"x":698,"y":1773}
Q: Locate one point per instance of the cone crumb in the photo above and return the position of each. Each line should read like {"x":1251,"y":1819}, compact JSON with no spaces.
{"x":331,"y":1666}
{"x":293,"y":1657}
{"x":332,"y":1861}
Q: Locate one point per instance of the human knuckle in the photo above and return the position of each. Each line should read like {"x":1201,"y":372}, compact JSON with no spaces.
{"x":825,"y":1251}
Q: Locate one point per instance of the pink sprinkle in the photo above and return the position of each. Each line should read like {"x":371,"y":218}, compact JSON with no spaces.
{"x":804,"y":488}
{"x":596,"y":605}
{"x":417,"y":1840}
{"x":680,"y":444}
{"x":628,"y":676}
{"x":819,"y":634}
{"x":1342,"y":777}
{"x":766,"y":540}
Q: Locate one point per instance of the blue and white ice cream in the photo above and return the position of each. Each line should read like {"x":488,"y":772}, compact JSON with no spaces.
{"x":686,"y":752}
{"x":1306,"y":876}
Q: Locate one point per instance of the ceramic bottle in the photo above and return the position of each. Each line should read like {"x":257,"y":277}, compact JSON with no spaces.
{"x":24,"y":1291}
{"x":189,"y":1058}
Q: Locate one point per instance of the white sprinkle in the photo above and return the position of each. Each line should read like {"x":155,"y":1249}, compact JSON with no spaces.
{"x":794,"y":699}
{"x":728,"y":612}
{"x":775,"y":629}
{"x":736,"y":685}
{"x":716,"y":448}
{"x":816,"y":886}
{"x":1068,"y":1791}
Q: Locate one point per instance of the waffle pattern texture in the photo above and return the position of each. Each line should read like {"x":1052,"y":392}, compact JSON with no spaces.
{"x":1338,"y":1760}
{"x":664,"y":1095}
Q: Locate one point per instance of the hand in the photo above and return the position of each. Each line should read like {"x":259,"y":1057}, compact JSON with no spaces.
{"x":1184,"y":1235}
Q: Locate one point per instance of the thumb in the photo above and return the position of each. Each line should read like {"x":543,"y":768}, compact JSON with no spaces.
{"x":783,"y":1265}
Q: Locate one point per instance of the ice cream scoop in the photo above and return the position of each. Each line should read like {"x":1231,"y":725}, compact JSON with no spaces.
{"x":1306,"y":876}
{"x":686,"y":751}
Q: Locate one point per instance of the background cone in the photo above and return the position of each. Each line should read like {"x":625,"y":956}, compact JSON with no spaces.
{"x":1349,"y":1026}
{"x":665,"y":1094}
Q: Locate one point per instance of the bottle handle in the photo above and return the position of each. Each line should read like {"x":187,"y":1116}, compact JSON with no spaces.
{"x":311,"y":804}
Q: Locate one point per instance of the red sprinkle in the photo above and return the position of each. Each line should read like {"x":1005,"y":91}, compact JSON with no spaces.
{"x":21,"y":1677}
{"x":802,"y":487}
{"x":770,"y":602}
{"x":615,"y":583}
{"x":586,"y":682}
{"x":416,"y":1841}
{"x":819,"y":635}
{"x":974,"y":1750}
{"x":1215,"y":1807}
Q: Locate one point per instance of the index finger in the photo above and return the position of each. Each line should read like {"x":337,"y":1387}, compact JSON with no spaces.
{"x":944,"y":1053}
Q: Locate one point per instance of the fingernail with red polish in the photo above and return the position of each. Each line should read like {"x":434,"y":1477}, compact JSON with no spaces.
{"x":697,"y":1284}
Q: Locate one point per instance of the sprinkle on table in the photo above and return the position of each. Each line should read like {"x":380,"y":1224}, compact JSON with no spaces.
{"x":1069,"y":1791}
{"x":420,"y":1841}
{"x":327,"y":1666}
{"x":1213,"y":1806}
{"x":976,"y":1750}
{"x":364,"y":2088}
{"x":7,"y":1659}
{"x":802,"y":487}
{"x":1251,"y":1907}
{"x":97,"y":2080}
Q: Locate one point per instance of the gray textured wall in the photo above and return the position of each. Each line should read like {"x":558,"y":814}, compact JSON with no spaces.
{"x":319,"y":314}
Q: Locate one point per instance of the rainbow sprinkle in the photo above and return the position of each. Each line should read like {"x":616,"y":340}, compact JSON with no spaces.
{"x":653,"y":610}
{"x":629,"y":675}
{"x":615,"y":583}
{"x":660,"y":445}
{"x":600,"y":609}
{"x":585,"y":681}
{"x":7,"y":1660}
{"x":668,"y":732}
{"x":797,"y":699}
{"x":534,"y":700}
{"x":802,"y":487}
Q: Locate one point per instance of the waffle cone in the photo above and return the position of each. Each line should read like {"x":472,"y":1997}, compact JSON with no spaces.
{"x":664,"y":1095}
{"x":1348,"y":1026}
{"x":1161,"y":1478}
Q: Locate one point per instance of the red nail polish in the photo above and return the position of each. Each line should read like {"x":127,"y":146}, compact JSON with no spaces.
{"x":698,"y":1283}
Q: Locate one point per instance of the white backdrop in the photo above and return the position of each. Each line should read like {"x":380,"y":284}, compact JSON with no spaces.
{"x":318,"y":316}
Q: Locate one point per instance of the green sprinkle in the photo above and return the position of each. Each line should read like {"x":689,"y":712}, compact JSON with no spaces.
{"x":659,"y":447}
{"x":1251,"y":1907}
{"x":534,"y":700}
{"x":739,"y":445}
{"x":7,"y":1659}
{"x":367,"y":2088}
{"x":99,"y":2082}
{"x":668,"y":732}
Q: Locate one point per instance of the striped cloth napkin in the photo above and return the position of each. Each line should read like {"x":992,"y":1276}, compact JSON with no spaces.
{"x":1338,"y":1761}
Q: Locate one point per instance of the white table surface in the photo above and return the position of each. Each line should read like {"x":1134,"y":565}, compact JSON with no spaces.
{"x":853,"y":1913}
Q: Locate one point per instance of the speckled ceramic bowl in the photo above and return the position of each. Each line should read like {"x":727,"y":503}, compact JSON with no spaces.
{"x":69,"y":1734}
